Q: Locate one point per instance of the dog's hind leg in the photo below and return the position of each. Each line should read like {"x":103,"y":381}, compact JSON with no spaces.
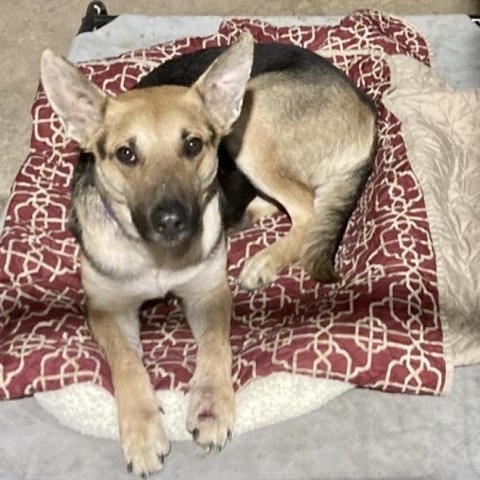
{"x":319,"y":216}
{"x":305,"y":143}
{"x":334,"y":202}
{"x":297,"y":200}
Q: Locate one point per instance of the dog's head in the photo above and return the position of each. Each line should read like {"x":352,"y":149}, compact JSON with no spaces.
{"x":156,"y":148}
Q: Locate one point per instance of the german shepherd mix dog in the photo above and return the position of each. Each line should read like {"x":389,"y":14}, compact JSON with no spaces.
{"x":147,"y":207}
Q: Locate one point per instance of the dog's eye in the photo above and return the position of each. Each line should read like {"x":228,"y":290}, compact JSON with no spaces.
{"x":192,"y":147}
{"x":126,"y":155}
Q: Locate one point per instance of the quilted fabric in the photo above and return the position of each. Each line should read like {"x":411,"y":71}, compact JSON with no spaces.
{"x":380,"y":327}
{"x":441,"y":127}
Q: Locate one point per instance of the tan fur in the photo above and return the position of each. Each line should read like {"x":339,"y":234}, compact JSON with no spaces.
{"x":259,"y":208}
{"x":143,"y":439}
{"x":305,"y":156}
{"x":169,"y":109}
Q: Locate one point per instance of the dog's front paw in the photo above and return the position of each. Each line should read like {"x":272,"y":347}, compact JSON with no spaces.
{"x":211,"y":415}
{"x":144,"y":442}
{"x":258,"y":271}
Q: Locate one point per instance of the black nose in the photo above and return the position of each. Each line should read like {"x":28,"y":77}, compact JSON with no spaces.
{"x":170,"y":220}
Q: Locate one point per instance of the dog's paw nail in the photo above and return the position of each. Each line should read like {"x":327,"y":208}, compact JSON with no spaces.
{"x":129,"y":467}
{"x":195,"y":433}
{"x":229,"y":434}
{"x":161,"y":410}
{"x":144,"y":476}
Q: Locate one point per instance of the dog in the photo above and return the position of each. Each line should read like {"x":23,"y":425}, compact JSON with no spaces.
{"x":288,"y":129}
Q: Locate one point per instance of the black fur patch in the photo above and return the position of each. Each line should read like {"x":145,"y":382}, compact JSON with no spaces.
{"x":268,"y":57}
{"x":83,"y":179}
{"x":361,"y":174}
{"x":101,"y":149}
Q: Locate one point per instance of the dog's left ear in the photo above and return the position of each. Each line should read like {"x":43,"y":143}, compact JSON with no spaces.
{"x":77,"y":101}
{"x":223,"y":85}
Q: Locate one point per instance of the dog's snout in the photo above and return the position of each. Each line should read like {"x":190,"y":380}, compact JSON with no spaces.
{"x":171,"y":220}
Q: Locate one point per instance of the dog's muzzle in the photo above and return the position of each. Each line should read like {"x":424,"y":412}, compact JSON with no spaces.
{"x":171,"y":222}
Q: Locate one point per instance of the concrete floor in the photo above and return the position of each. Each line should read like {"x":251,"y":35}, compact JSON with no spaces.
{"x":361,"y":435}
{"x":27,"y":27}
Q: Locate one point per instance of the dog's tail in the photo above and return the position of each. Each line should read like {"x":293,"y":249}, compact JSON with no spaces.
{"x":334,"y":203}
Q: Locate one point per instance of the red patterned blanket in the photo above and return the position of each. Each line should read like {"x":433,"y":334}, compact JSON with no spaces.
{"x":380,"y":327}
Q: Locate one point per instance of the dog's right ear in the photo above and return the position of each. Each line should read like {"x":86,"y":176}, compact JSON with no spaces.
{"x":223,"y":85}
{"x":77,"y":101}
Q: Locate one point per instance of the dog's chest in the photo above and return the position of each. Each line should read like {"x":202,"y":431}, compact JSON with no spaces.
{"x":157,"y":282}
{"x":127,"y":273}
{"x":107,"y":293}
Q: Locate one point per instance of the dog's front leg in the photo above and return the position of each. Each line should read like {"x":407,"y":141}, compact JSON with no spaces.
{"x":211,"y":412}
{"x":143,"y":439}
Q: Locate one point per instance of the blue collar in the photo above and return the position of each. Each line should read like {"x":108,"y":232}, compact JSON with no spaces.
{"x":108,"y":208}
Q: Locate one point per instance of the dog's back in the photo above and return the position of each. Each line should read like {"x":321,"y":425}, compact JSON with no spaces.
{"x":268,"y":57}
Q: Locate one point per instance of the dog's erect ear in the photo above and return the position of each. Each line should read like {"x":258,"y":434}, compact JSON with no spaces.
{"x":77,"y":101}
{"x":223,"y":85}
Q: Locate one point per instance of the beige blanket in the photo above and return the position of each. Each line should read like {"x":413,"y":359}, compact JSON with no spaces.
{"x":441,"y":128}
